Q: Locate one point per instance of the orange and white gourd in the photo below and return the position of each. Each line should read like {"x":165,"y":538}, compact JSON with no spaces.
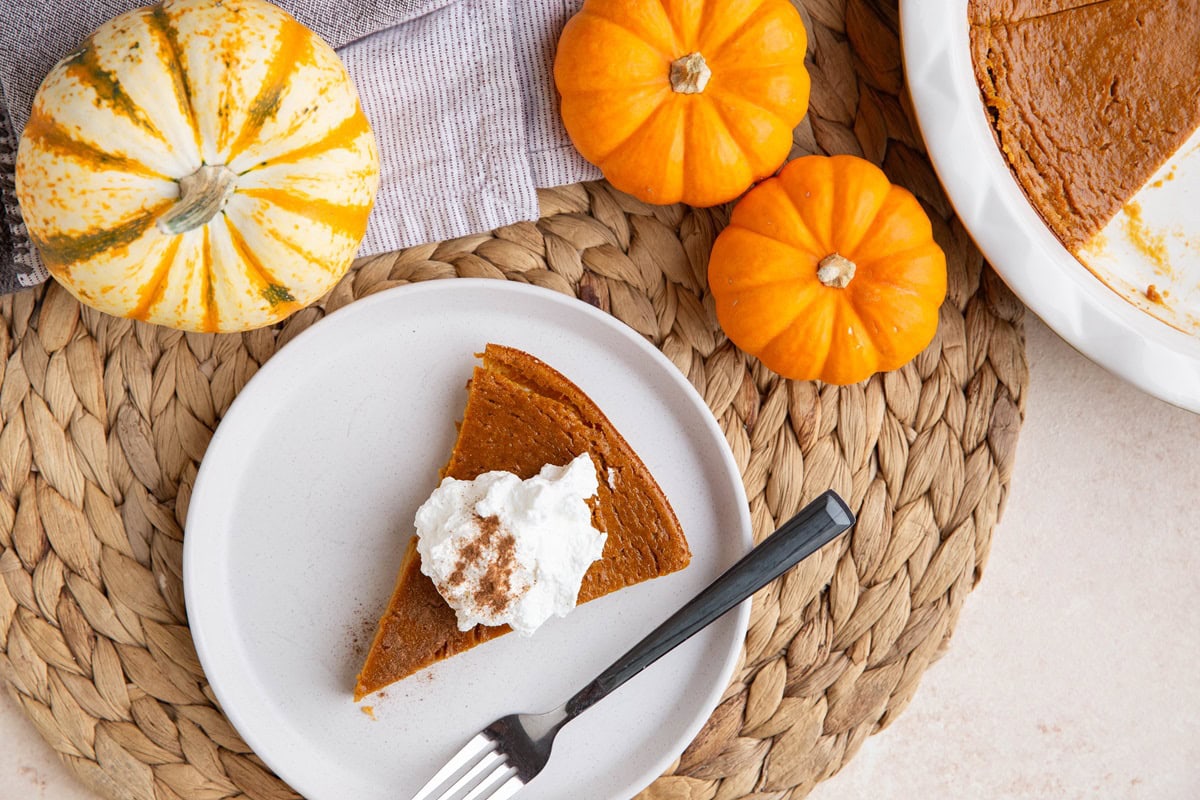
{"x":200,"y":164}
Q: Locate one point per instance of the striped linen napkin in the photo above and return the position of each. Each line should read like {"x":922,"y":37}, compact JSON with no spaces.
{"x":460,"y":94}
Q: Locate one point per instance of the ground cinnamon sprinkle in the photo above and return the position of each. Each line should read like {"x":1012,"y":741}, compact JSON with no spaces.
{"x":499,"y":548}
{"x":495,"y":588}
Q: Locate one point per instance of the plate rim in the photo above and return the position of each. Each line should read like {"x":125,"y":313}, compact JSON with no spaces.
{"x":740,"y":614}
{"x":1085,"y":312}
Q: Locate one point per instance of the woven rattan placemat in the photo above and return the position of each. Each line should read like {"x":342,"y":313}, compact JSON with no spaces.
{"x":105,"y":422}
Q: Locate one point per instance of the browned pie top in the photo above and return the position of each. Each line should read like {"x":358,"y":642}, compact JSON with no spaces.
{"x":1087,"y":99}
{"x":520,"y":416}
{"x":989,"y":12}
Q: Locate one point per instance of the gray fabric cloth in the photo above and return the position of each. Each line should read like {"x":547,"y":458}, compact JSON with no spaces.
{"x":459,"y":93}
{"x":463,"y":105}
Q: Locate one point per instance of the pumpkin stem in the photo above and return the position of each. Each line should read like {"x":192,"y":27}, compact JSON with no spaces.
{"x":836,"y":271}
{"x":690,"y":74}
{"x":202,"y":195}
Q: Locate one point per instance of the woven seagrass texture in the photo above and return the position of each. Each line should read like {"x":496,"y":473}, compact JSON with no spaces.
{"x":105,"y":422}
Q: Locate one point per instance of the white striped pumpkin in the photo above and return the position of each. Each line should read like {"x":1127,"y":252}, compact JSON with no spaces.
{"x":200,"y":164}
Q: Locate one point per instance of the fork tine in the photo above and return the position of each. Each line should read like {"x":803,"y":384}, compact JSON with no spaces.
{"x":508,"y":785}
{"x":509,"y":788}
{"x":467,"y":758}
{"x":477,"y":775}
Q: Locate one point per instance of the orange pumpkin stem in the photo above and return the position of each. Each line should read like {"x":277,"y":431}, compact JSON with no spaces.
{"x":690,"y":74}
{"x":836,"y":271}
{"x":202,"y":195}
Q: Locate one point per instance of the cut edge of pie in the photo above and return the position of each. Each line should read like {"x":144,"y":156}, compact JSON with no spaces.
{"x":520,"y":415}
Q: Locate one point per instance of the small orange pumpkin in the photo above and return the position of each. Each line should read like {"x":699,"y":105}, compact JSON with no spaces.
{"x":828,"y":272}
{"x":683,"y":101}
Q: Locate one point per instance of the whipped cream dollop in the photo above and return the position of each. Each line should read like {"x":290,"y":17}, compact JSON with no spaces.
{"x":503,"y":550}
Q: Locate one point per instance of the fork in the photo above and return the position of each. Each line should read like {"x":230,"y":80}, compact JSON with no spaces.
{"x":506,"y":755}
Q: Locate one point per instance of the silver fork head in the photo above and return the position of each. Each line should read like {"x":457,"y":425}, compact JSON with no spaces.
{"x":499,"y":760}
{"x":478,"y":771}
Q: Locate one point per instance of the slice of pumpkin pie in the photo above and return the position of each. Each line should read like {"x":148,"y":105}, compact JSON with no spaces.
{"x":522,"y":415}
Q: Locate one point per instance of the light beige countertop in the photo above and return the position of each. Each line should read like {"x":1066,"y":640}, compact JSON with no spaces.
{"x":1075,"y":668}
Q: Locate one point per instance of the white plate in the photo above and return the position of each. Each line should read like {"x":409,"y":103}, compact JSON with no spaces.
{"x":304,"y":504}
{"x":1119,"y":332}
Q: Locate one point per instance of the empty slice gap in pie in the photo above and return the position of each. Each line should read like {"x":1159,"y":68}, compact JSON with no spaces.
{"x":521,"y":415}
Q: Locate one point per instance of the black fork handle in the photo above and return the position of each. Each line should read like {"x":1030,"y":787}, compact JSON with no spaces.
{"x":817,"y":524}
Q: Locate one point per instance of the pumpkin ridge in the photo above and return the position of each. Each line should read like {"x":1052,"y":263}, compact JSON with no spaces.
{"x":162,"y":28}
{"x":726,"y":87}
{"x":800,"y":251}
{"x":686,"y":113}
{"x":295,"y":45}
{"x":806,"y":293}
{"x":920,"y":326}
{"x":846,"y":239}
{"x":211,"y":322}
{"x":901,"y":202}
{"x":288,"y":244}
{"x":865,"y":308}
{"x":822,"y":235}
{"x":751,"y":157}
{"x":772,"y":282}
{"x":776,"y":219}
{"x":788,"y":331}
{"x":271,"y":289}
{"x":758,"y":66}
{"x":846,"y":317}
{"x":703,"y":45}
{"x":61,"y":249}
{"x":908,"y":254}
{"x":349,"y":129}
{"x":53,"y":137}
{"x":346,"y":220}
{"x":607,"y":90}
{"x":772,"y":167}
{"x":716,"y":166}
{"x":85,"y":67}
{"x":676,"y":32}
{"x":633,"y":134}
{"x":157,"y":284}
{"x":706,"y":12}
{"x":885,"y":285}
{"x":727,"y":80}
{"x":617,"y":22}
{"x":778,"y":335}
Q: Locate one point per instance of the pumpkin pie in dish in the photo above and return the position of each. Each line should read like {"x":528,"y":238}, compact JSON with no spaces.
{"x":1087,"y":99}
{"x":520,"y":416}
